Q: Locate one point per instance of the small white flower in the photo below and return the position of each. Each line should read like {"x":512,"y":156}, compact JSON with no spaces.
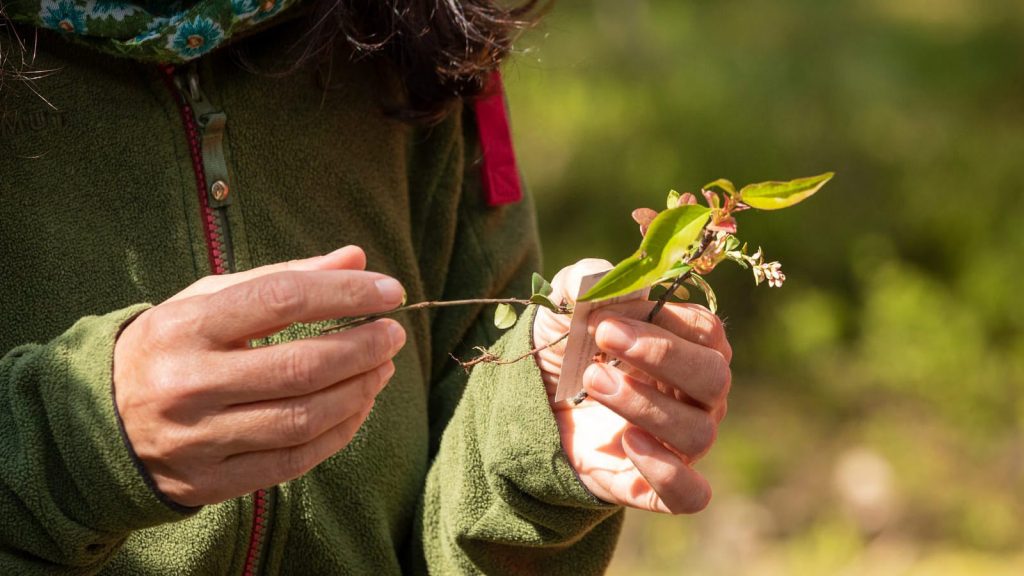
{"x":772,"y":271}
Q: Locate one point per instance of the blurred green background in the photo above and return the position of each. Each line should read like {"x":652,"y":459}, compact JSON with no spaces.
{"x":877,"y":413}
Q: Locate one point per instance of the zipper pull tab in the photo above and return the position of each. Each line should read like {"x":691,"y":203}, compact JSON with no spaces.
{"x":212,"y":124}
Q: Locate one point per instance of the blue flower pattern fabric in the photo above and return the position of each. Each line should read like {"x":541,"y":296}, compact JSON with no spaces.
{"x":174,"y":35}
{"x":196,"y":37}
{"x":62,"y":15}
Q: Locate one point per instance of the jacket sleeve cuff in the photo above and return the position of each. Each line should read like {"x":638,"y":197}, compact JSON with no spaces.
{"x":501,"y":496}
{"x":517,"y":428}
{"x":88,"y":430}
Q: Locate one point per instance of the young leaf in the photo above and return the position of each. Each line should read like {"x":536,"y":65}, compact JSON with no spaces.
{"x":778,"y":195}
{"x":709,"y":294}
{"x":673,"y":199}
{"x":668,"y":239}
{"x":542,"y":300}
{"x":504,"y":317}
{"x":541,"y":286}
{"x":644,"y":217}
{"x":723,"y":185}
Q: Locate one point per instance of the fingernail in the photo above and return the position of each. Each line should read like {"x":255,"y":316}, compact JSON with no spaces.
{"x":615,"y":335}
{"x":397,"y":335}
{"x":390,"y":290}
{"x":601,"y":381}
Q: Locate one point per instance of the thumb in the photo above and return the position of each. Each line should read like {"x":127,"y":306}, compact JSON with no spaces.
{"x":566,"y":283}
{"x":547,"y":326}
{"x":347,"y":258}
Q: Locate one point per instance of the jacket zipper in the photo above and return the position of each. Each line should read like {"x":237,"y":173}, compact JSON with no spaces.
{"x":204,"y":128}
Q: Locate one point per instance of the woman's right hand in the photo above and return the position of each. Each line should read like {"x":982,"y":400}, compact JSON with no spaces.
{"x":212,"y":418}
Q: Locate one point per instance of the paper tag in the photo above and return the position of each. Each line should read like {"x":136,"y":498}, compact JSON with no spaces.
{"x":581,"y":348}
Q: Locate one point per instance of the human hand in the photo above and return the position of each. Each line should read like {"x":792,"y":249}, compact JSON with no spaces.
{"x":211,"y":418}
{"x":649,"y":419}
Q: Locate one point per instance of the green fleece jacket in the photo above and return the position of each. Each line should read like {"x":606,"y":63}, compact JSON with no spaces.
{"x":102,"y":214}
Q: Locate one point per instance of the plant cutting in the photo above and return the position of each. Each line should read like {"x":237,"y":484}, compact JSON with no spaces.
{"x":680,"y":246}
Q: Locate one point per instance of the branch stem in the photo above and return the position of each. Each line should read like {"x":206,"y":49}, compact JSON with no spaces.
{"x":492,"y":359}
{"x":360,"y":320}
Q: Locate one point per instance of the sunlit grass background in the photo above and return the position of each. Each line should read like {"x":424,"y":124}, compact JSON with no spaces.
{"x":877,"y":415}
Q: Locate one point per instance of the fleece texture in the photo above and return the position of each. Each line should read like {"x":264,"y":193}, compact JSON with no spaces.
{"x":100,"y":217}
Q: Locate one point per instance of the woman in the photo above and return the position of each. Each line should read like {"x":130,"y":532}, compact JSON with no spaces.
{"x":167,"y":403}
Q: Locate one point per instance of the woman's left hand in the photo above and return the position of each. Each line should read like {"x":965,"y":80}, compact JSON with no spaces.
{"x":650,"y":418}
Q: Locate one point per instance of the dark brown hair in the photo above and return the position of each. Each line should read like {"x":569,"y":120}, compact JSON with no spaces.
{"x":443,"y":50}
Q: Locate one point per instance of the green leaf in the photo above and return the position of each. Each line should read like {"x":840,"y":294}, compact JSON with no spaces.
{"x":504,"y":317}
{"x":709,"y":294}
{"x":723,"y":185}
{"x":668,"y":240}
{"x":673,"y":199}
{"x":542,"y":300}
{"x":778,"y":195}
{"x":677,"y":270}
{"x":541,"y":286}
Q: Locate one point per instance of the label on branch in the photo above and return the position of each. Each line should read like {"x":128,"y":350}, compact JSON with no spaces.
{"x":580,"y":349}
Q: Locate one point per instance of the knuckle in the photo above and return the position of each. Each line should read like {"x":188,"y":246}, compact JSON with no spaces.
{"x":168,"y":324}
{"x":280,"y":294}
{"x":356,"y":290}
{"x":706,"y":326}
{"x":205,"y":284}
{"x":293,"y":264}
{"x":300,"y":368}
{"x":300,"y":422}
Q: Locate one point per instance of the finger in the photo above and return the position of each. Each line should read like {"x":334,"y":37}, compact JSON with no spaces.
{"x":301,"y":367}
{"x":255,"y":470}
{"x":679,"y":488}
{"x":699,"y":372}
{"x":691,"y":322}
{"x":295,"y":421}
{"x":269,"y":303}
{"x":346,"y":258}
{"x":689,"y":430}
